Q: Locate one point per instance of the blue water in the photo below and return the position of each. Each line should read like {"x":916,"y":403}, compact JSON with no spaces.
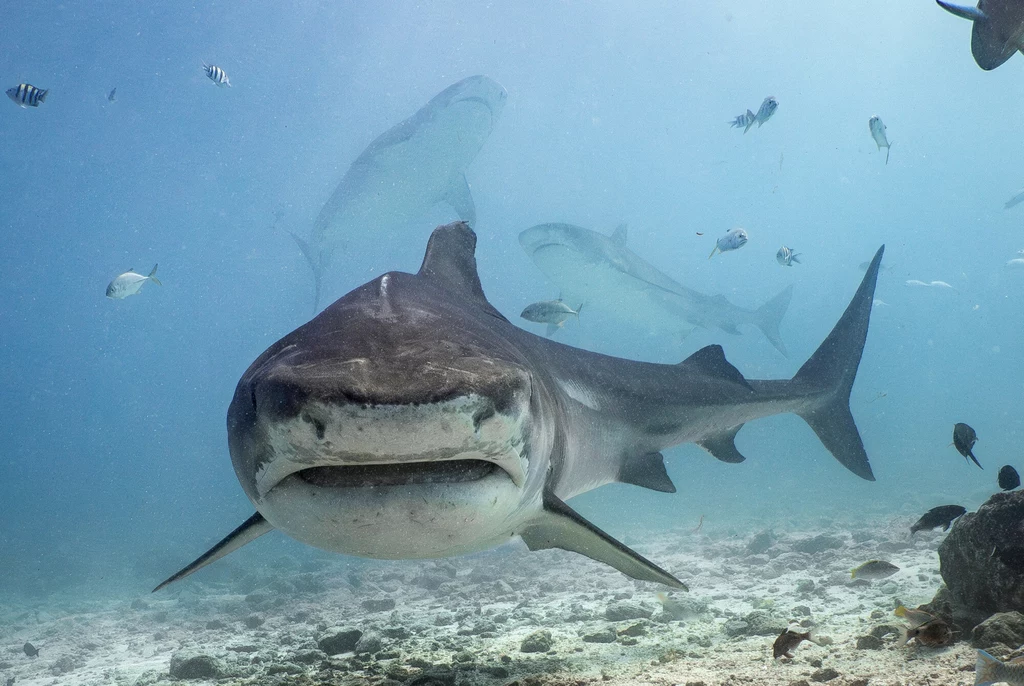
{"x":114,"y":468}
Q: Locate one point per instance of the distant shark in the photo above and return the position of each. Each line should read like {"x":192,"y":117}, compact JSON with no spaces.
{"x":407,"y":170}
{"x":998,"y":29}
{"x":410,"y":419}
{"x":592,"y":268}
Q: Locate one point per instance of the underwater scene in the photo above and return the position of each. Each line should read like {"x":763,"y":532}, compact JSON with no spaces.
{"x":525,"y":343}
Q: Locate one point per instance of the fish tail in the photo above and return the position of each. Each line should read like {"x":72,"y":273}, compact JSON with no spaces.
{"x":986,"y":669}
{"x":769,"y":316}
{"x":316,"y":266}
{"x":832,"y":370}
{"x":750,"y":121}
{"x":905,"y":635}
{"x":900,"y":611}
{"x":152,"y":275}
{"x":713,"y":250}
{"x":579,"y":309}
{"x":888,"y":148}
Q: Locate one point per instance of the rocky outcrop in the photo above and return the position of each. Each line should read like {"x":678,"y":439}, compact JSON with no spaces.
{"x":982,"y":560}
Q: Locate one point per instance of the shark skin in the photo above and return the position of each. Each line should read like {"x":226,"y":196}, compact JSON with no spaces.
{"x":590,"y":267}
{"x":410,"y":419}
{"x":998,"y":30}
{"x":405,"y":171}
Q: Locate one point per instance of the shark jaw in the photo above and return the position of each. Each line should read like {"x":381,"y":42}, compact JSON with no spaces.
{"x":396,"y":481}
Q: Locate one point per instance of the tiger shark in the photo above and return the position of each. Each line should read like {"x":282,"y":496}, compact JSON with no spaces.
{"x":408,"y":169}
{"x":410,"y":419}
{"x":596,"y":269}
{"x":998,"y":29}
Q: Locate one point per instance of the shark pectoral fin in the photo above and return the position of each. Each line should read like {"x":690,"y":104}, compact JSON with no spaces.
{"x":710,"y":361}
{"x":963,"y":11}
{"x":249,"y":531}
{"x":647,"y":471}
{"x":316,"y":265}
{"x":559,"y":526}
{"x":769,"y":316}
{"x":550,"y":331}
{"x":723,"y":445}
{"x":620,"y":234}
{"x":730,"y":329}
{"x":461,"y":200}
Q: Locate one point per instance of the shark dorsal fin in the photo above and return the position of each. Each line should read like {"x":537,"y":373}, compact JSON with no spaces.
{"x":710,"y":361}
{"x":450,"y":262}
{"x":619,"y":235}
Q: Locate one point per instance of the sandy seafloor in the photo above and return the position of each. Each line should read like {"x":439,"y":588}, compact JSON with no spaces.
{"x":464,"y":620}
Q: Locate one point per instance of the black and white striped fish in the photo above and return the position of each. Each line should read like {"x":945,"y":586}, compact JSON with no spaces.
{"x":744,"y":121}
{"x":216,"y":74}
{"x":786,"y":256}
{"x":766,"y":110}
{"x":27,"y":95}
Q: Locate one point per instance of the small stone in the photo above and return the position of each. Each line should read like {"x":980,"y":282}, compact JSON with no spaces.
{"x":760,"y":543}
{"x":805,"y":586}
{"x":378,"y":604}
{"x":869,"y":643}
{"x":283,"y":668}
{"x":191,"y":664}
{"x":634,"y":630}
{"x":253,"y":621}
{"x":309,"y":657}
{"x":605,"y":635}
{"x":368,"y":643}
{"x":625,"y":610}
{"x":1002,"y":627}
{"x":396,"y":632}
{"x":339,"y":640}
{"x":140,"y":604}
{"x":822,"y":675}
{"x":215,"y":624}
{"x":818,"y":544}
{"x":496,"y":671}
{"x":883,"y":630}
{"x":537,"y":642}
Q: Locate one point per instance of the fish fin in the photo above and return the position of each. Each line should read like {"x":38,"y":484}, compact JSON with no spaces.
{"x":710,"y":361}
{"x":559,"y":526}
{"x":832,"y":369}
{"x":888,"y":148}
{"x":769,"y":316}
{"x":153,"y":270}
{"x":900,"y":611}
{"x":620,"y":234}
{"x":730,"y":329}
{"x":946,"y":527}
{"x":970,"y":453}
{"x":450,"y":263}
{"x":647,"y":471}
{"x":249,"y":531}
{"x":985,"y":669}
{"x":906,"y":634}
{"x":461,"y":199}
{"x":43,"y":94}
{"x":722,"y":445}
{"x":962,"y":11}
{"x":152,"y":276}
{"x":155,"y":280}
{"x":750,"y":121}
{"x":579,"y":308}
{"x":795,"y":257}
{"x":315,"y":265}
{"x":551,"y":330}
{"x":713,"y":251}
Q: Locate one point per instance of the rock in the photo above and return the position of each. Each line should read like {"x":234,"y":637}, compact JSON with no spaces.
{"x":760,"y":543}
{"x":431,"y":582}
{"x":309,"y":657}
{"x":869,"y":642}
{"x":368,"y":643}
{"x":981,"y":583}
{"x":805,"y":586}
{"x":283,"y":668}
{"x":1002,"y":627}
{"x":757,"y":623}
{"x":736,"y":627}
{"x":605,"y":635}
{"x":253,"y":621}
{"x":192,"y":664}
{"x":634,"y":630}
{"x":883,"y":630}
{"x":625,"y":610}
{"x":214,"y":624}
{"x":537,"y":642}
{"x":818,"y":544}
{"x":378,"y":604}
{"x":822,"y":675}
{"x":339,"y":640}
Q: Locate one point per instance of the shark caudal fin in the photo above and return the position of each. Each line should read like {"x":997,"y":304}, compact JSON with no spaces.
{"x":829,"y":375}
{"x":316,"y":266}
{"x":769,"y":316}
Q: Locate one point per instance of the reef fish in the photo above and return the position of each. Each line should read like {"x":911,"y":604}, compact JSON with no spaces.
{"x":786,"y":257}
{"x":744,"y":121}
{"x":554,"y":313}
{"x":934,"y":633}
{"x":942,"y":515}
{"x":411,"y":420}
{"x":877,"y":129}
{"x":872,"y":570}
{"x":404,"y":172}
{"x":988,"y":670}
{"x":788,"y":641}
{"x":1009,"y":479}
{"x":216,"y":74}
{"x":27,"y":95}
{"x":30,"y":650}
{"x":766,"y":110}
{"x":964,"y":438}
{"x":734,"y":239}
{"x":998,"y":30}
{"x":130,"y":283}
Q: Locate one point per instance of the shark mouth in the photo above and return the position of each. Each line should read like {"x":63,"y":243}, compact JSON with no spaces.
{"x":398,"y":474}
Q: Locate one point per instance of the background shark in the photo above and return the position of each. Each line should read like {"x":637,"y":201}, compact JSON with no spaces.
{"x":410,"y":419}
{"x":406,"y":170}
{"x":998,"y":29}
{"x":599,"y":270}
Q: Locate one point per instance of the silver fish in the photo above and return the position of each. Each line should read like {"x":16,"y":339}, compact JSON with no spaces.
{"x":216,"y":74}
{"x":27,"y":95}
{"x":554,"y":313}
{"x":766,"y":110}
{"x":786,"y":257}
{"x":732,"y":240}
{"x":1015,"y":263}
{"x":130,"y":283}
{"x":877,"y":129}
{"x":989,"y":670}
{"x":112,"y":95}
{"x":744,"y":121}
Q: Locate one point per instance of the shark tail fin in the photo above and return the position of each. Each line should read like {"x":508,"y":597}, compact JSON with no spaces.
{"x":318,"y":272}
{"x":769,"y":316}
{"x":830,"y":372}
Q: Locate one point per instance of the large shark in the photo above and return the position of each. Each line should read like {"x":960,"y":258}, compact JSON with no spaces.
{"x":596,"y":269}
{"x":998,"y":29}
{"x":407,"y":170}
{"x":410,"y":419}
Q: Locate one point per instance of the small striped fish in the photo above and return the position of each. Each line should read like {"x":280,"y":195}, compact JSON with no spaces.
{"x":744,"y":121}
{"x":216,"y":74}
{"x":786,"y":257}
{"x":27,"y":95}
{"x":766,"y":110}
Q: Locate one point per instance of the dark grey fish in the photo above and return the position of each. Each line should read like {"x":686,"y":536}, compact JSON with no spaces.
{"x":942,"y":515}
{"x":27,"y":95}
{"x":112,"y":95}
{"x":998,"y":29}
{"x":1009,"y":479}
{"x":30,"y":650}
{"x":934,"y":634}
{"x":787,"y":642}
{"x":964,"y":438}
{"x":873,"y":570}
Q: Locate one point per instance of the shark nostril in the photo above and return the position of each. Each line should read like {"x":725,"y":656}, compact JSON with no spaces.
{"x":318,"y":425}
